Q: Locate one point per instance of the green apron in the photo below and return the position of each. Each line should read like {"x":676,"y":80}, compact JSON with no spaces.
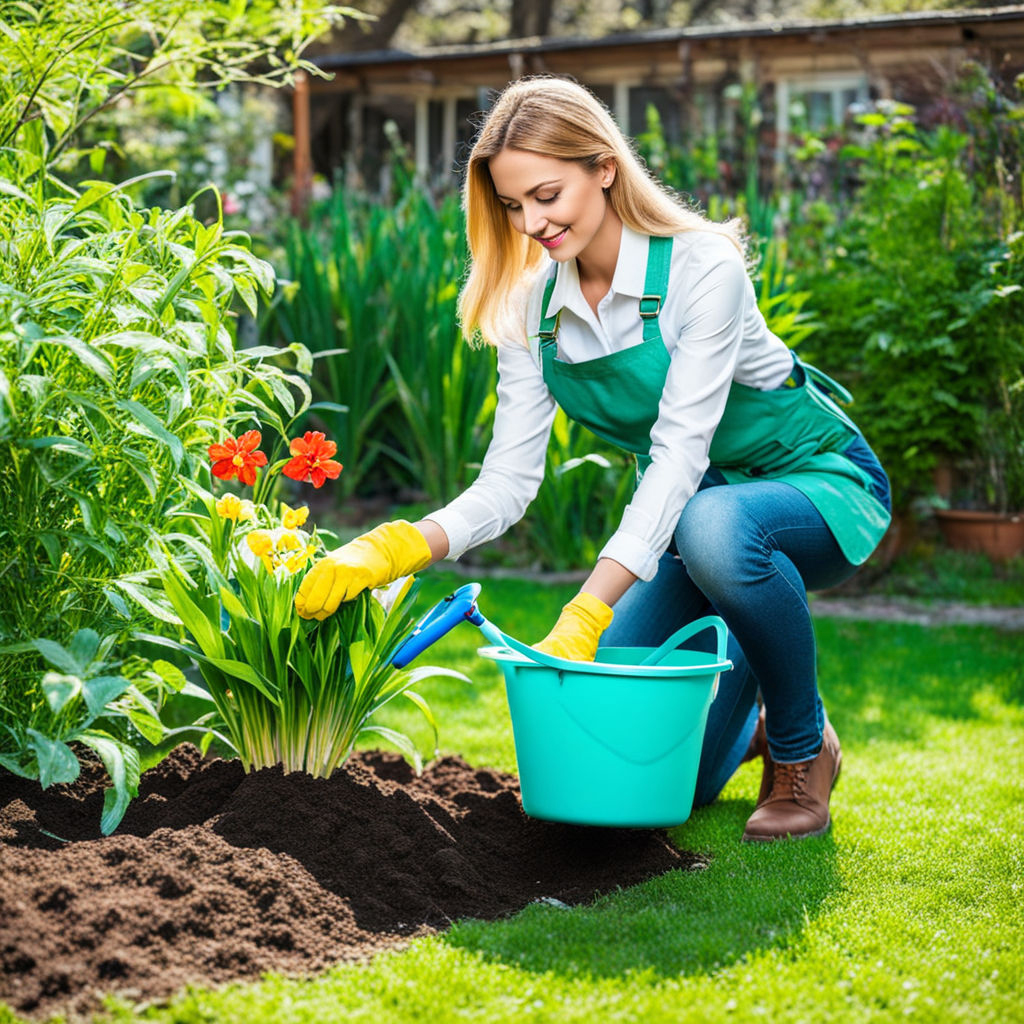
{"x":794,"y":434}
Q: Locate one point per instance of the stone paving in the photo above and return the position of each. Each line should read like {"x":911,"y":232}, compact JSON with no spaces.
{"x":923,"y":613}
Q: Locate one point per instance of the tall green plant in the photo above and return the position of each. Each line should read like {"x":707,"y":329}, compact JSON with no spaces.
{"x":445,"y":390}
{"x":781,"y":301}
{"x":373,"y":291}
{"x":117,"y":359}
{"x":336,"y":302}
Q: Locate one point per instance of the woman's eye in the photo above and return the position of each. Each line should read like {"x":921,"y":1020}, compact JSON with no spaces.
{"x":511,"y":207}
{"x":548,"y":199}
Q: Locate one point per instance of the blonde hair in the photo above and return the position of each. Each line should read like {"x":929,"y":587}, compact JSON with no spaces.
{"x":558,"y":118}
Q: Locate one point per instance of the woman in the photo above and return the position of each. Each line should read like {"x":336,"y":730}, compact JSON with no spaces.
{"x":605,"y":296}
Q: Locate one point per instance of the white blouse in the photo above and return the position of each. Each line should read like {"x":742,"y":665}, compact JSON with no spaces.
{"x":714,"y":334}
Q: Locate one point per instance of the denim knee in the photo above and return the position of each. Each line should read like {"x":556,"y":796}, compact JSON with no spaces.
{"x":713,"y":536}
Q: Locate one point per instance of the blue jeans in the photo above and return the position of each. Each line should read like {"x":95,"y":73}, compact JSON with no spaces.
{"x":748,"y":552}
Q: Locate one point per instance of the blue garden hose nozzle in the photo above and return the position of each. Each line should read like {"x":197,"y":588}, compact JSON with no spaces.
{"x":457,"y":607}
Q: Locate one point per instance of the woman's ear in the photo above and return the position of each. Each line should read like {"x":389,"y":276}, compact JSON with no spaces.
{"x":607,"y":172}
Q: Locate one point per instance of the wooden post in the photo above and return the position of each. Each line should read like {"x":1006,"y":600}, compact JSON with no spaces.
{"x":302,"y":185}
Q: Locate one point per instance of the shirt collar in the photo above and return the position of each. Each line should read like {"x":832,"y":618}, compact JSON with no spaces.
{"x":629,"y":277}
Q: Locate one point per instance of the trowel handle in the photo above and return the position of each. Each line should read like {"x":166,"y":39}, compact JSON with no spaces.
{"x":457,"y":607}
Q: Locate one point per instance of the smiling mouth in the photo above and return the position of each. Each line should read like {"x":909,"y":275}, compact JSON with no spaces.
{"x":553,"y":240}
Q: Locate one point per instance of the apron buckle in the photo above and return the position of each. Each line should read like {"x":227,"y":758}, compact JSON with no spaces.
{"x":645,"y":311}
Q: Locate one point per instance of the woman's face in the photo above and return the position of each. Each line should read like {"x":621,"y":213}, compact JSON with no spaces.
{"x":558,"y":202}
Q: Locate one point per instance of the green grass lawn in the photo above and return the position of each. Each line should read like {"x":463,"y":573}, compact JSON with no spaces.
{"x":910,"y":909}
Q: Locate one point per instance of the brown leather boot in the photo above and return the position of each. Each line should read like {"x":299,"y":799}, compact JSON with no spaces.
{"x":796,"y":802}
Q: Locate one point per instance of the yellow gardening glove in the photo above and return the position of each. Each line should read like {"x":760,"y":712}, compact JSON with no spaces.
{"x":578,"y":629}
{"x":372,"y":560}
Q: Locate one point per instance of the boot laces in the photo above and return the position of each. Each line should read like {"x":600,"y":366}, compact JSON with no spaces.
{"x":790,"y":780}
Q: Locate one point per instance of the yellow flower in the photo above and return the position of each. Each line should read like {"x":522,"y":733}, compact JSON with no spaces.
{"x":260,"y":542}
{"x":235,"y":509}
{"x":288,"y":542}
{"x":229,"y":507}
{"x":294,"y":517}
{"x":297,"y":562}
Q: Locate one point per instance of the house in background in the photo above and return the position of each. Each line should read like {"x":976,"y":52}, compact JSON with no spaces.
{"x":693,"y":76}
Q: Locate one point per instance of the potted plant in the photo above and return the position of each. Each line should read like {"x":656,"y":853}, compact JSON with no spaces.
{"x":986,"y":499}
{"x":987,"y":491}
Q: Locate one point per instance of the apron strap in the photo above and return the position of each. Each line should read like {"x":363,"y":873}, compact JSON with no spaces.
{"x":659,"y":261}
{"x":548,"y":324}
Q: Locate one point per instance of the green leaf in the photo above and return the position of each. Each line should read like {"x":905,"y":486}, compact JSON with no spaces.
{"x":233,"y":606}
{"x":170,"y":674}
{"x":303,"y":358}
{"x":207,"y":634}
{"x":95,"y":359}
{"x":55,"y":759}
{"x":247,"y":293}
{"x":398,"y":739}
{"x":148,"y":725}
{"x":101,"y":690}
{"x":6,"y":188}
{"x":70,"y":445}
{"x":60,"y":690}
{"x":146,"y":423}
{"x":122,"y":764}
{"x":241,"y":671}
{"x":117,"y":602}
{"x":327,"y":407}
{"x":13,"y":764}
{"x":52,"y":547}
{"x":84,"y":645}
{"x":149,"y":600}
{"x":58,"y":656}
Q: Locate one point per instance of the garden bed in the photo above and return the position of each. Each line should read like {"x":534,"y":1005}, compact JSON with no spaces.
{"x":215,"y":875}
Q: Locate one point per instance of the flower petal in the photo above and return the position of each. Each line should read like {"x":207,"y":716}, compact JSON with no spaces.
{"x":249,"y":441}
{"x":297,"y":468}
{"x":221,"y":450}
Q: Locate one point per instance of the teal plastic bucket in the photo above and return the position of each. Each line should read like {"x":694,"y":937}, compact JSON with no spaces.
{"x":612,"y":742}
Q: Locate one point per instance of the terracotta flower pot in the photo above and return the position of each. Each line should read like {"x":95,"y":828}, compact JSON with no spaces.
{"x":1000,"y":535}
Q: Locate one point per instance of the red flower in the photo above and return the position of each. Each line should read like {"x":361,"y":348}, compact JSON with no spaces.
{"x":231,"y":457}
{"x":312,"y":460}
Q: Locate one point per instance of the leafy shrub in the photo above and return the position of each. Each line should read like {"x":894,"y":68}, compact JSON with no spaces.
{"x":910,"y":295}
{"x":117,"y":363}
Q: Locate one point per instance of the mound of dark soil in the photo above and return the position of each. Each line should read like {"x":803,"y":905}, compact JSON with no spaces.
{"x":216,"y":875}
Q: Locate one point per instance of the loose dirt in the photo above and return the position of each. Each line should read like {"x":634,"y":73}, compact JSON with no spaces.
{"x":215,"y":875}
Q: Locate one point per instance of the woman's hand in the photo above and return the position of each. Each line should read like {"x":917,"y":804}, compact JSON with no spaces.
{"x":578,"y":629}
{"x":372,"y":560}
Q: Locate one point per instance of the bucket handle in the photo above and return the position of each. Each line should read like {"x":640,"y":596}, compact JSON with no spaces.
{"x":689,"y":630}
